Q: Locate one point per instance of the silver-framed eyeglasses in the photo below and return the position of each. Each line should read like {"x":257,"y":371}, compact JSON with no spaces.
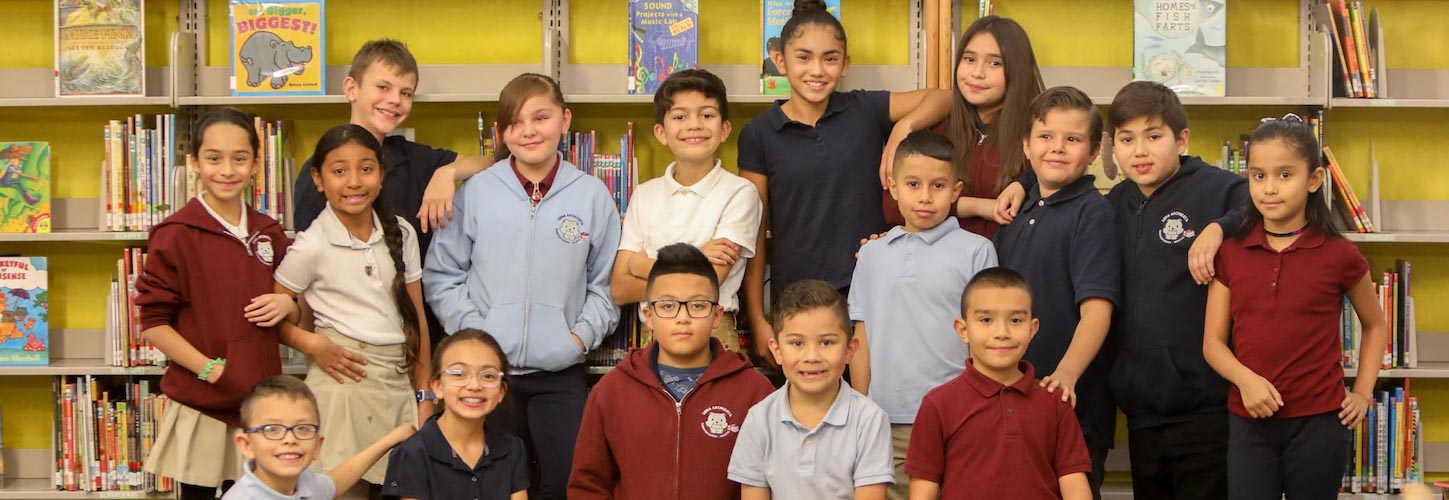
{"x":458,"y":377}
{"x":670,"y":308}
{"x":275,"y":432}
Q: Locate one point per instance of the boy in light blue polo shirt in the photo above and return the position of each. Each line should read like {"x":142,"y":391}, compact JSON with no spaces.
{"x":814,"y":438}
{"x":906,"y":291}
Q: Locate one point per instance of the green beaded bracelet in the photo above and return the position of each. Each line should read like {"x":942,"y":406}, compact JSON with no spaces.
{"x":210,"y":365}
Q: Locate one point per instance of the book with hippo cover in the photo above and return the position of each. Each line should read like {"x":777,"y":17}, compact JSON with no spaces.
{"x":278,"y":48}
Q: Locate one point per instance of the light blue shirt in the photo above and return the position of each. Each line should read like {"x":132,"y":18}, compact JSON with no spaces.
{"x":310,"y":486}
{"x":849,"y":448}
{"x":907,"y":290}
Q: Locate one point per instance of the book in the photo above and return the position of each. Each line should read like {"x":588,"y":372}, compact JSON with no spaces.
{"x":663,"y":38}
{"x":278,"y":48}
{"x":1181,"y":44}
{"x":773,"y":15}
{"x":24,"y":311}
{"x":103,"y":431}
{"x":25,"y":187}
{"x":125,"y":346}
{"x":1388,"y":445}
{"x":99,"y":48}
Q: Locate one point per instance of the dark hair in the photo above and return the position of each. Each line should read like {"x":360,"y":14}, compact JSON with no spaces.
{"x":697,"y":80}
{"x":383,"y":50}
{"x":682,"y":258}
{"x":1297,"y":137}
{"x":225,"y":116}
{"x":277,"y":385}
{"x":1023,"y":82}
{"x":810,"y":13}
{"x":392,"y":232}
{"x":928,"y":144}
{"x":464,"y":335}
{"x":995,"y":277}
{"x":1146,"y":99}
{"x":807,"y":295}
{"x":1067,"y":99}
{"x":510,"y":102}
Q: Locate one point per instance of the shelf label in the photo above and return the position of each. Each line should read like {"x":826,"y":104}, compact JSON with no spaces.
{"x":130,"y":236}
{"x":1384,"y":103}
{"x":1378,"y":237}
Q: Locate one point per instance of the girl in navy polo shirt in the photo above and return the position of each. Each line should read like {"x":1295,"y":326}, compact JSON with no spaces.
{"x":814,"y":159}
{"x":1279,"y":288}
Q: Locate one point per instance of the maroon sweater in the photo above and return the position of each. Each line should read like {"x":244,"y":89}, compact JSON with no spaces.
{"x":636,"y":443}
{"x":199,"y":279}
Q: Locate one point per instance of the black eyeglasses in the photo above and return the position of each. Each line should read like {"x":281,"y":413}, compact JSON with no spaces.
{"x":670,"y":308}
{"x":275,"y":432}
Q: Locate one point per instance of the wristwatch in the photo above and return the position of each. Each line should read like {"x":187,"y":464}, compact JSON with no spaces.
{"x":426,"y":396}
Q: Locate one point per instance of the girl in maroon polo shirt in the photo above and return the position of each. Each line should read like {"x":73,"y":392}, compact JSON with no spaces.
{"x":1279,"y":288}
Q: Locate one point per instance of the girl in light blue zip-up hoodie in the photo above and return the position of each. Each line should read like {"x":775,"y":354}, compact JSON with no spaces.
{"x":528,"y":260}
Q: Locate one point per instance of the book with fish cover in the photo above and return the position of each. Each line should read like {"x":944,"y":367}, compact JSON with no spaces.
{"x":1181,"y":44}
{"x":99,"y":48}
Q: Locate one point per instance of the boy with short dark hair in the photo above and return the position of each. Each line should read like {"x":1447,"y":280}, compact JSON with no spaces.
{"x":815,"y":437}
{"x":905,"y":284}
{"x":684,"y":384}
{"x":281,"y":437}
{"x":1064,"y":243}
{"x":993,"y":432}
{"x":696,"y":201}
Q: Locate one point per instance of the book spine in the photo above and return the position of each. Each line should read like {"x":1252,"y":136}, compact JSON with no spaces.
{"x":1349,"y":46}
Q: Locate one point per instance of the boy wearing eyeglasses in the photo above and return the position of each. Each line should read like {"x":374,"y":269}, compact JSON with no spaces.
{"x":904,"y":294}
{"x":280,"y":437}
{"x":663,"y":423}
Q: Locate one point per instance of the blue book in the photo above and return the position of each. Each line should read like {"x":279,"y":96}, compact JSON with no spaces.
{"x":24,"y":312}
{"x":663,"y":38}
{"x":774,"y":14}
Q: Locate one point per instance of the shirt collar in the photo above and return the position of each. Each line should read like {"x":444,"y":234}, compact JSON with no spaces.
{"x":778,"y":120}
{"x":495,"y":442}
{"x":239,"y":230}
{"x":1080,"y":187}
{"x":303,"y":488}
{"x":544,"y":183}
{"x":337,"y":233}
{"x":702,"y":187}
{"x":988,"y":388}
{"x":836,"y":416}
{"x":1258,"y":237}
{"x":930,"y":236}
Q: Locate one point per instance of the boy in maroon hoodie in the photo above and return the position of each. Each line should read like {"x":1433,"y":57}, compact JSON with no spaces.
{"x":683,"y":385}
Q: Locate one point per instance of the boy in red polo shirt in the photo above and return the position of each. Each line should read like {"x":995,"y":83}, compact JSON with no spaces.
{"x":993,"y":432}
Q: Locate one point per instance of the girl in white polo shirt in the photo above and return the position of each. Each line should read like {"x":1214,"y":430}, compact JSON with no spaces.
{"x":357,"y":267}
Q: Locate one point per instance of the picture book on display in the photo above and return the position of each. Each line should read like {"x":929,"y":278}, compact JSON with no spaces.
{"x":278,"y":48}
{"x":1181,"y":44}
{"x":25,"y":187}
{"x":24,"y":312}
{"x":98,"y":48}
{"x":774,"y":14}
{"x":663,"y":38}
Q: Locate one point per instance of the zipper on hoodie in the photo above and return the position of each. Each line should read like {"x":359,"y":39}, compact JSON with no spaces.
{"x":678,"y":433}
{"x":528,"y":273}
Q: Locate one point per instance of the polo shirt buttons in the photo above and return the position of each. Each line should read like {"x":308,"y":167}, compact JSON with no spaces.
{"x":809,"y":441}
{"x":1041,"y":203}
{"x":1031,"y":222}
{"x":475,"y":479}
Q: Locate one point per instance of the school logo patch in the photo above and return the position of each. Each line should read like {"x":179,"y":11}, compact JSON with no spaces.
{"x":716,"y":422}
{"x":1174,"y":228}
{"x":262,"y":248}
{"x":571,"y":229}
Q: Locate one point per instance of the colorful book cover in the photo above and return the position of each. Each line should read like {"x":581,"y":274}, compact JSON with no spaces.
{"x":98,"y":48}
{"x":663,"y":38}
{"x":24,"y":312}
{"x":25,"y":187}
{"x":774,"y":14}
{"x":1181,"y":44}
{"x":278,"y":48}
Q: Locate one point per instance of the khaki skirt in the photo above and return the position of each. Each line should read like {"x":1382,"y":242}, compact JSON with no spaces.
{"x":194,"y":449}
{"x":357,"y":414}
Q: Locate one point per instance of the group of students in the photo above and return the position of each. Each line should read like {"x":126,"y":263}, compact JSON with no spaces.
{"x":976,"y":330}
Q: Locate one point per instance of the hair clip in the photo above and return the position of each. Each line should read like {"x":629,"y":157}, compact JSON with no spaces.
{"x":1290,"y":117}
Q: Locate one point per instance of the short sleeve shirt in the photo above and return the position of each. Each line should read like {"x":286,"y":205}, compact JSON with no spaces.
{"x":1066,"y":246}
{"x":425,"y":467}
{"x":1286,"y":307}
{"x":824,"y":187}
{"x":849,"y":449}
{"x":907,"y":291}
{"x":348,"y":282}
{"x":663,"y":212}
{"x":310,"y":486}
{"x":980,"y":439}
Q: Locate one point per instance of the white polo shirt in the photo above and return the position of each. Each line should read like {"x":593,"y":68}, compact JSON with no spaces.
{"x":348,"y":282}
{"x":721,"y":205}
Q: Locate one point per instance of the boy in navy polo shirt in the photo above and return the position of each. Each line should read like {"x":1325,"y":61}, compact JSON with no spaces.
{"x":1064,"y":243}
{"x":908,"y":281}
{"x":993,"y":432}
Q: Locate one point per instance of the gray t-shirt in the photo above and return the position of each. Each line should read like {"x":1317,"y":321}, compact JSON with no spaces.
{"x":310,"y":486}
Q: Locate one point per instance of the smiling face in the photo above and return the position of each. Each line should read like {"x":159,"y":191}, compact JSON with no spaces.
{"x":349,"y":178}
{"x":225,"y":163}
{"x":1280,"y":182}
{"x":1145,"y":148}
{"x":382,"y":99}
{"x":926,"y":190}
{"x":467,"y":397}
{"x":1059,"y":148}
{"x":693,"y":128}
{"x":683,"y":339}
{"x":286,"y":457}
{"x":533,"y":139}
{"x":812,"y":349}
{"x":814,"y":61}
{"x":998,"y":326}
{"x":981,"y":75}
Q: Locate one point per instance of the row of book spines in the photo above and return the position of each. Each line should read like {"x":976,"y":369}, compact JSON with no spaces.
{"x":271,"y":182}
{"x":102,"y":444}
{"x":1401,"y":344}
{"x":1348,"y":204}
{"x":137,"y":191}
{"x":627,"y":336}
{"x":1387,"y":445}
{"x":1352,"y":45}
{"x":128,"y":347}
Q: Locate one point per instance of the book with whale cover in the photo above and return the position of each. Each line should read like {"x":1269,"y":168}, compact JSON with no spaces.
{"x":1181,"y":44}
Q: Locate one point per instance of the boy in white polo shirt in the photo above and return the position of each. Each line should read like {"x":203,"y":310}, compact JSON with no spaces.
{"x":696,"y":201}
